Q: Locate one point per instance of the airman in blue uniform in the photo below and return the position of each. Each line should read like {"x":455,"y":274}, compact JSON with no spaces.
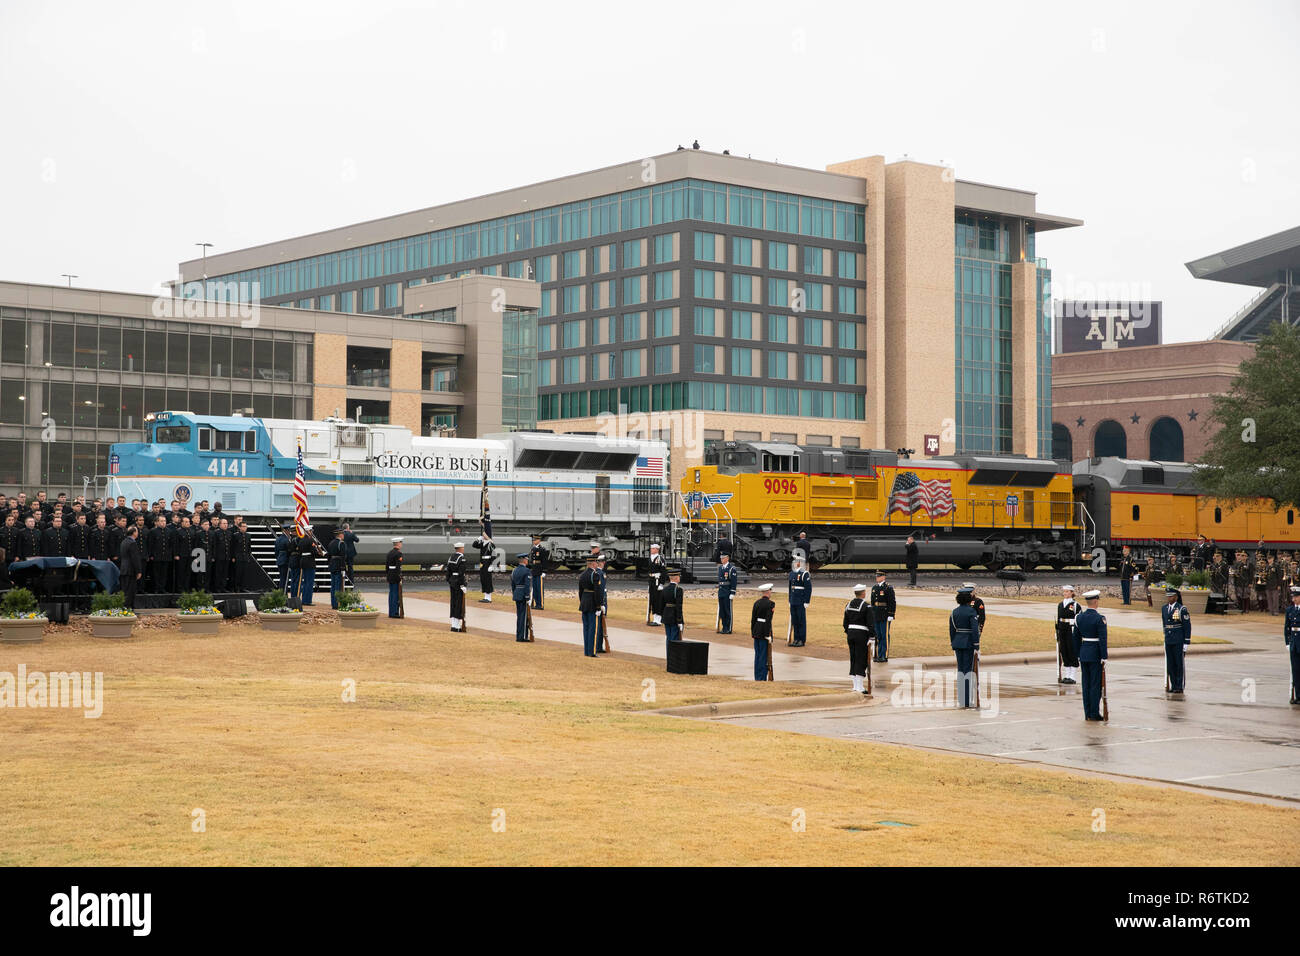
{"x":800,"y":598}
{"x":964,"y":638}
{"x":727,"y":579}
{"x":1090,"y":644}
{"x":1291,"y":635}
{"x":521,"y":584}
{"x":1178,"y":634}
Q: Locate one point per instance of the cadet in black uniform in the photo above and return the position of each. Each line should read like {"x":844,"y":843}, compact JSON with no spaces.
{"x":964,"y":638}
{"x":201,"y":557}
{"x":1067,"y":654}
{"x":537,"y":559}
{"x":589,"y":605}
{"x":486,"y":554}
{"x":1291,"y":636}
{"x":130,"y":565}
{"x":457,"y":585}
{"x":183,"y":545}
{"x":241,"y":556}
{"x":1090,"y":643}
{"x":54,"y":540}
{"x":859,"y":629}
{"x":28,"y":541}
{"x":393,"y":572}
{"x":674,"y":599}
{"x":883,"y":609}
{"x":658,"y":578}
{"x":727,"y":578}
{"x":1178,"y":634}
{"x":79,"y":538}
{"x":800,"y":588}
{"x":8,"y":545}
{"x":220,"y":557}
{"x":97,"y":541}
{"x":760,"y":629}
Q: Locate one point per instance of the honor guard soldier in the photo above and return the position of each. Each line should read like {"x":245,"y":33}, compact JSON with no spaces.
{"x":1127,"y":568}
{"x":393,"y":571}
{"x":964,"y":638}
{"x":1067,"y":654}
{"x":1178,"y":634}
{"x":602,"y":593}
{"x":458,"y":585}
{"x":537,"y":559}
{"x":912,"y":558}
{"x":1291,"y":635}
{"x":486,"y":554}
{"x":760,"y":629}
{"x":674,"y":599}
{"x":727,"y":578}
{"x":800,"y":598}
{"x":883,"y":609}
{"x":589,"y":605}
{"x":858,"y":631}
{"x":337,"y":564}
{"x":306,"y":565}
{"x":658,"y":578}
{"x":282,"y":546}
{"x":1090,"y":645}
{"x":976,"y":603}
{"x":130,"y":565}
{"x":520,"y":586}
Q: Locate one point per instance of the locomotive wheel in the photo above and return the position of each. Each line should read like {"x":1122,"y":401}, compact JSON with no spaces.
{"x":963,"y":567}
{"x":1058,"y":566}
{"x":994,"y":565}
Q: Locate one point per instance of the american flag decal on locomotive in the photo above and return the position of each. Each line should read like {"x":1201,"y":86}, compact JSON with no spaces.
{"x":648,"y":467}
{"x":910,"y":494}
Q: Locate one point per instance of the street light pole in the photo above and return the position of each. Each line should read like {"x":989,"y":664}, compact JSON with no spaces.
{"x":69,"y":276}
{"x":205,"y":246}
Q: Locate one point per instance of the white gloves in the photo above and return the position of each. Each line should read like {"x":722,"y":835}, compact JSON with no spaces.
{"x":465,"y":588}
{"x":599,"y":611}
{"x":889,"y":619}
{"x":731,"y":596}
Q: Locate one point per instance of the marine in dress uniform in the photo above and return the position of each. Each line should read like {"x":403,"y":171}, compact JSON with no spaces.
{"x":1178,"y":634}
{"x":883,"y":609}
{"x":859,"y":628}
{"x":393,"y":573}
{"x":674,"y":599}
{"x":520,"y":587}
{"x":727,"y":579}
{"x":1090,"y":640}
{"x":760,"y":629}
{"x":800,"y":590}
{"x":486,"y":553}
{"x":458,"y":585}
{"x":537,"y":559}
{"x":964,"y":639}
{"x":1066,"y":611}
{"x":658,"y":578}
{"x":1291,"y":636}
{"x":1127,"y":568}
{"x":589,"y":605}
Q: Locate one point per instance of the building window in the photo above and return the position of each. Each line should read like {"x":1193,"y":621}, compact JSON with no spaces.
{"x":850,"y":300}
{"x":778,"y":328}
{"x":393,"y":295}
{"x":545,"y":338}
{"x":812,"y":261}
{"x":573,"y":334}
{"x":742,"y":362}
{"x":368,"y":295}
{"x":705,"y":358}
{"x":812,"y":293}
{"x":812,"y":368}
{"x":572,"y":299}
{"x":778,"y":256}
{"x":544,"y":269}
{"x":633,"y":326}
{"x":632,"y":254}
{"x":573,"y":264}
{"x":706,"y":284}
{"x":664,"y":247}
{"x":664,"y":359}
{"x":632,"y":363}
{"x":706,"y":246}
{"x":812,"y":332}
{"x":846,"y":371}
{"x":743,"y":288}
{"x":665,"y":285}
{"x":742,"y":325}
{"x":778,"y":365}
{"x":846,"y":335}
{"x":846,"y":267}
{"x":632,"y":290}
{"x":742,"y":251}
{"x":572,"y":369}
{"x":663,"y":323}
{"x":705,"y":320}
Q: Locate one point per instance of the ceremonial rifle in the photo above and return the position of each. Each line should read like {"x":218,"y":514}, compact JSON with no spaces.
{"x":528,"y":617}
{"x":789,"y":632}
{"x":604,"y":630}
{"x":977,"y":676}
{"x":770,"y":652}
{"x":1105,"y":705}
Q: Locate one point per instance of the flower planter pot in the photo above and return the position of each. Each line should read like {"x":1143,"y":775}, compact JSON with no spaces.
{"x":359,"y":620}
{"x":200,"y":623}
{"x":22,"y":630}
{"x":112,"y":627}
{"x":280,"y":622}
{"x":1195,"y":601}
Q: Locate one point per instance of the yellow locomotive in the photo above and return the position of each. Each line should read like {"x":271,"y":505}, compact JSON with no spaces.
{"x":1157,"y":507}
{"x":858,"y":506}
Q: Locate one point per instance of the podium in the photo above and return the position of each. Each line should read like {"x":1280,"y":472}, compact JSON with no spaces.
{"x":688,"y":657}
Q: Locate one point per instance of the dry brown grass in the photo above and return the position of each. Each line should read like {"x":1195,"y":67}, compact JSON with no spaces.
{"x":446,"y":729}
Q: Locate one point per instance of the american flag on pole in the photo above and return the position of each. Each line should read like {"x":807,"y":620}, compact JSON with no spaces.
{"x":300,"y":521}
{"x":910,"y":494}
{"x":649,"y":467}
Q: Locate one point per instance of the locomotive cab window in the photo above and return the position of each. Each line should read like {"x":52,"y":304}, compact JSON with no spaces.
{"x":231,"y":441}
{"x":1136,"y":509}
{"x":780,"y":462}
{"x":1218,"y":515}
{"x":738,"y":459}
{"x":171,"y":434}
{"x":1290,"y":517}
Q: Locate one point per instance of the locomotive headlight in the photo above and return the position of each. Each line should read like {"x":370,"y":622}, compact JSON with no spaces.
{"x":697,"y":476}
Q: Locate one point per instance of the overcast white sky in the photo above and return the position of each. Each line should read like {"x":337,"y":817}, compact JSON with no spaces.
{"x":134,"y":130}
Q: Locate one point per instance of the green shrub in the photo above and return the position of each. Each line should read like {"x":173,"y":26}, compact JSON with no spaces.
{"x":103,"y":601}
{"x":348,"y":600}
{"x":17,"y":602}
{"x":272,"y":601}
{"x":191,"y":600}
{"x":1198,"y":579}
{"x":1174,"y":579}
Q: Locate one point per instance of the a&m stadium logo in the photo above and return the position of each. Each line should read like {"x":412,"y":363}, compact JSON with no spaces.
{"x":910,"y":494}
{"x":699,"y":501}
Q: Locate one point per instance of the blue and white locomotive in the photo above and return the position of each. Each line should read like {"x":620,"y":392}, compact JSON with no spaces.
{"x":571,"y":489}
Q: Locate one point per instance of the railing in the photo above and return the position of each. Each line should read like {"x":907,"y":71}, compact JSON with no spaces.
{"x":369,"y":378}
{"x":1246,"y":309}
